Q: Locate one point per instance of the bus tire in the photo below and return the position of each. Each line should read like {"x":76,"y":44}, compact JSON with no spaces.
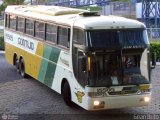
{"x":22,"y":68}
{"x":67,"y":94}
{"x":16,"y":63}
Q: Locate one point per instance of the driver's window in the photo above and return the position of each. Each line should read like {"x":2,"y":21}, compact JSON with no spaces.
{"x":77,"y":54}
{"x":78,"y":36}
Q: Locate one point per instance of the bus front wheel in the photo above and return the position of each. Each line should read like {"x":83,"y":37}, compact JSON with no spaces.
{"x":67,"y":94}
{"x":22,"y":68}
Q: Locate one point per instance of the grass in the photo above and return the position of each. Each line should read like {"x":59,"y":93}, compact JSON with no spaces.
{"x":1,"y":22}
{"x":1,"y":43}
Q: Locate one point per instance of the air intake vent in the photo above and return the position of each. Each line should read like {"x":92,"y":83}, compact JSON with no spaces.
{"x":88,"y":14}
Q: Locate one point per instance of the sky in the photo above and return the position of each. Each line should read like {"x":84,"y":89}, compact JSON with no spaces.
{"x":1,"y":1}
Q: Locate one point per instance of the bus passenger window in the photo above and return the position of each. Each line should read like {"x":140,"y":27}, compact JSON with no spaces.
{"x":20,"y":25}
{"x":51,"y":33}
{"x":78,"y":36}
{"x":39,"y":30}
{"x":12,"y":22}
{"x":29,"y":27}
{"x":63,"y":36}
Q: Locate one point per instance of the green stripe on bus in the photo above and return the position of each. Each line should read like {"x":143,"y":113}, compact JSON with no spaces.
{"x":50,"y":74}
{"x":42,"y":72}
{"x":48,"y":65}
{"x":47,"y":52}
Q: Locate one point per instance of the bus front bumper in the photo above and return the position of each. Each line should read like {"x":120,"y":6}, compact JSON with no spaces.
{"x":112,"y":102}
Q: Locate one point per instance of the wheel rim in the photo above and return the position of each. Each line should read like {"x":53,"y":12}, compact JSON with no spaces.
{"x":22,"y":72}
{"x":17,"y":64}
{"x":22,"y":69}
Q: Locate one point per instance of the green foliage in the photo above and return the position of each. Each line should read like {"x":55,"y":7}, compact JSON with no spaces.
{"x":1,"y":43}
{"x":155,"y":45}
{"x":2,"y":8}
{"x":10,"y":2}
{"x":1,"y":22}
{"x":14,"y":2}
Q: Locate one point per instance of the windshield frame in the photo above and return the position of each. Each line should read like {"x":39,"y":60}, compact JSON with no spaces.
{"x":121,"y":53}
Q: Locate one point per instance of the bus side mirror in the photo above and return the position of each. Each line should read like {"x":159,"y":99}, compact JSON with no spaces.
{"x":83,"y":63}
{"x":153,"y":58}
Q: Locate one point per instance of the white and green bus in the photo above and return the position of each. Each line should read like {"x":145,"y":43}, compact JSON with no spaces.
{"x":95,"y":61}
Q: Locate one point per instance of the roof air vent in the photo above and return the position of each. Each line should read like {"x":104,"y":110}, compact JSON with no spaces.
{"x":88,"y":14}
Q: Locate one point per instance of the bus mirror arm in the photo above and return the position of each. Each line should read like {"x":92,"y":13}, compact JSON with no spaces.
{"x":153,"y":57}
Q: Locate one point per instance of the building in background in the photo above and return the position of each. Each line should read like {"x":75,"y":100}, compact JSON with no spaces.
{"x":1,"y":1}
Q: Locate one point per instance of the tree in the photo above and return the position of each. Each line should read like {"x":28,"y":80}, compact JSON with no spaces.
{"x":2,"y":8}
{"x":41,"y":1}
{"x":10,"y":2}
{"x":14,"y":2}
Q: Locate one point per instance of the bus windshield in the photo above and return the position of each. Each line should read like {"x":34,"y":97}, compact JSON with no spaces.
{"x":111,"y":39}
{"x":120,"y":57}
{"x":119,"y":68}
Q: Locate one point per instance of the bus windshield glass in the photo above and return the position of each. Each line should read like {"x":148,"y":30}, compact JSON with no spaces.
{"x":111,"y":39}
{"x":120,"y":57}
{"x":127,"y":67}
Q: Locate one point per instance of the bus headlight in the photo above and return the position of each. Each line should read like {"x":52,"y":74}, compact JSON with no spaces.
{"x":146,"y":99}
{"x":96,"y":103}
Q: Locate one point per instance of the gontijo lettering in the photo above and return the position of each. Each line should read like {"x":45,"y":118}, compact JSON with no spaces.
{"x":26,"y":43}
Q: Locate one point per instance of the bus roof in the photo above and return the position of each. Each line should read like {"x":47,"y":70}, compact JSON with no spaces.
{"x":71,"y":16}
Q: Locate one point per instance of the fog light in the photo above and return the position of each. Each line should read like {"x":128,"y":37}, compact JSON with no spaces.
{"x":146,"y":99}
{"x":96,"y":103}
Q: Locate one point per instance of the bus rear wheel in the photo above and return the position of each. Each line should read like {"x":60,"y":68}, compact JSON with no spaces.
{"x":17,"y":63}
{"x":22,"y":68}
{"x":67,"y":94}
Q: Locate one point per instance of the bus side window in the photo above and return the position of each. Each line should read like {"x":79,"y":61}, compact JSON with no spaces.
{"x":20,"y":24}
{"x":29,"y":29}
{"x":63,"y":36}
{"x":39,"y":30}
{"x":78,"y":36}
{"x":12,"y":22}
{"x":51,"y":33}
